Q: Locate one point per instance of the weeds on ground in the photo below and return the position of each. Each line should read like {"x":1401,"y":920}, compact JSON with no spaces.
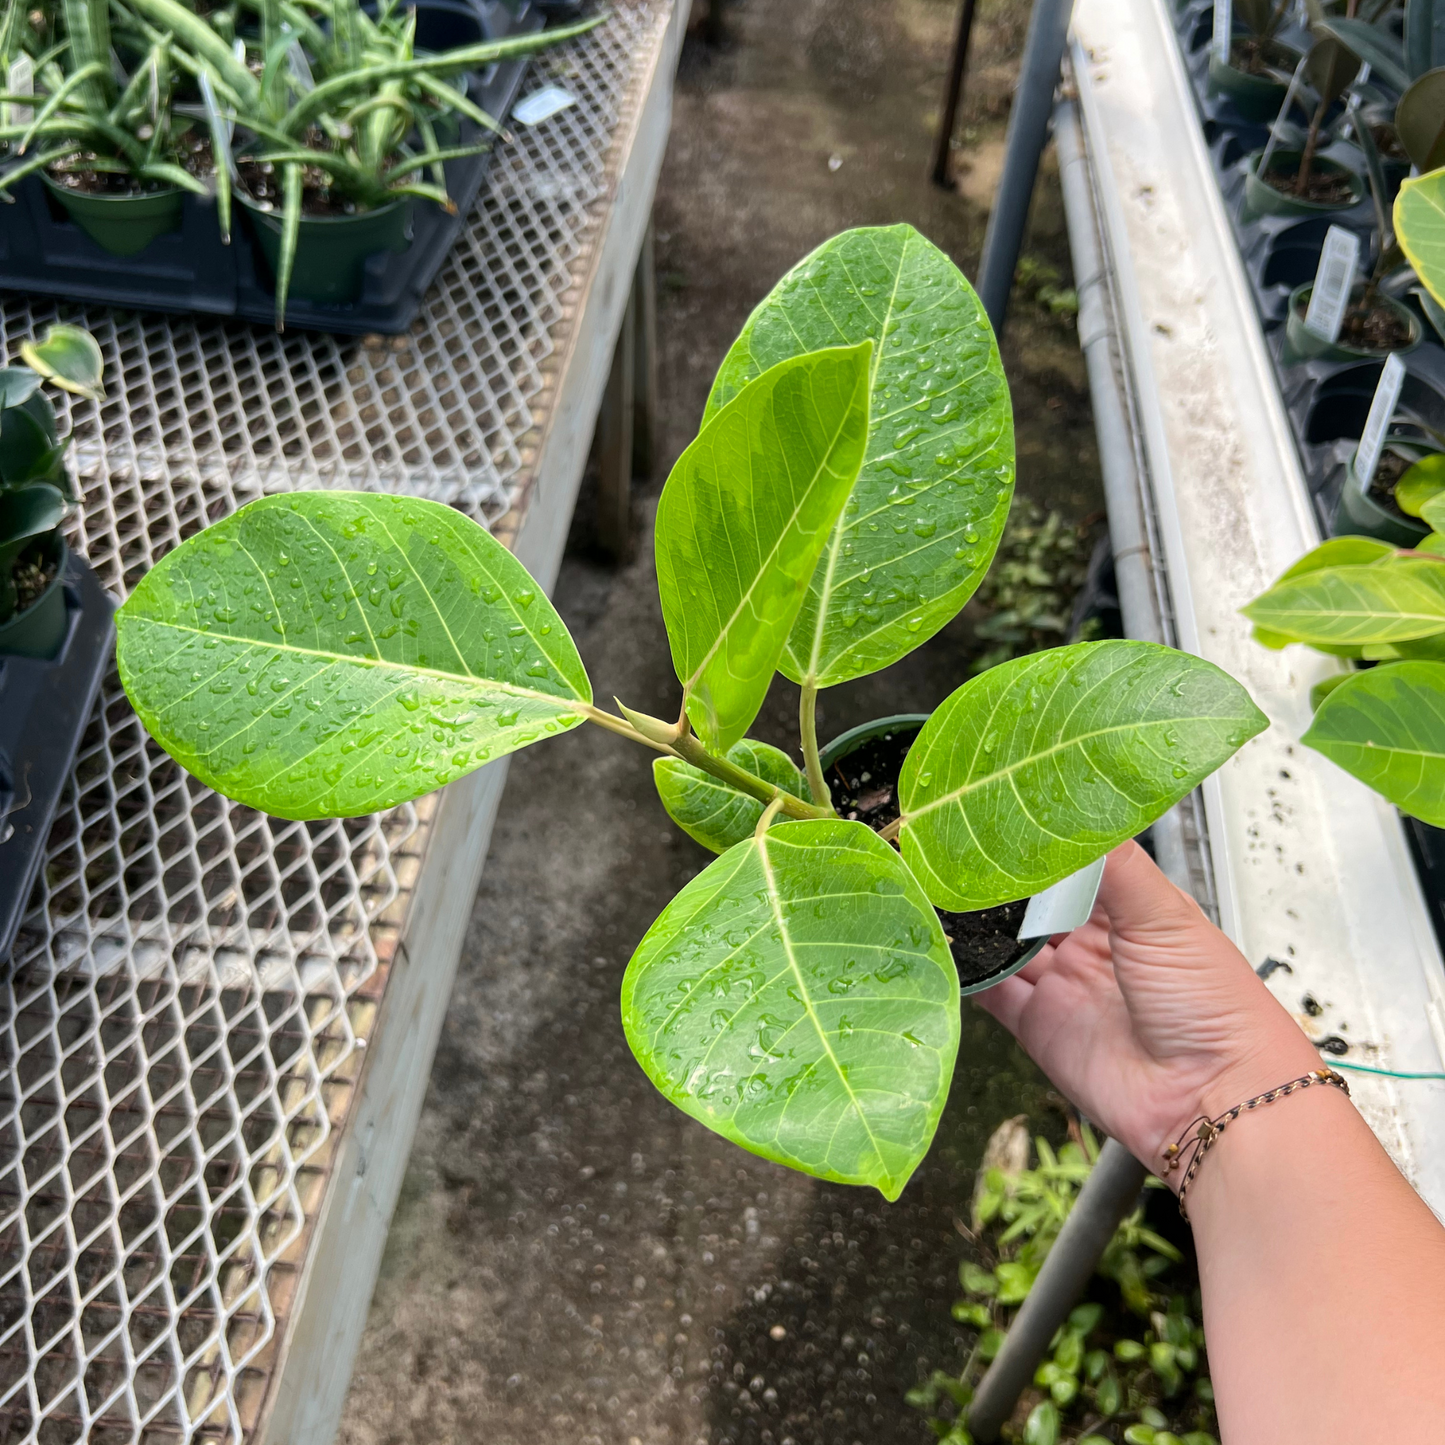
{"x":1126,"y":1368}
{"x":1040,"y":281}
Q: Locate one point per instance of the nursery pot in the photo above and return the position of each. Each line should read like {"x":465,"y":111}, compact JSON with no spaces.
{"x":332,"y":251}
{"x":1255,"y":97}
{"x":1303,"y":345}
{"x":1263,"y":200}
{"x":39,"y":630}
{"x":1359,"y":515}
{"x":121,"y":225}
{"x":974,"y":975}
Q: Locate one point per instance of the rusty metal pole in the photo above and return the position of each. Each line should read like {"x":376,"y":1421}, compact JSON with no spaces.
{"x":953,"y":95}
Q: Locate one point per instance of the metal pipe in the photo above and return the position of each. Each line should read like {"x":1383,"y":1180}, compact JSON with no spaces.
{"x":1114,"y":1185}
{"x":1028,"y":129}
{"x":953,"y":95}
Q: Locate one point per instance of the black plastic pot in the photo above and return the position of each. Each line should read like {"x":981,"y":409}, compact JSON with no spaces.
{"x":122,"y":225}
{"x":848,"y":743}
{"x":44,"y":251}
{"x":39,"y":630}
{"x":45,"y":704}
{"x":1360,"y":515}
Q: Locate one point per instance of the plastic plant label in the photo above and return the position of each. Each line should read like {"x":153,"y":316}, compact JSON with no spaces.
{"x":1065,"y":906}
{"x":1333,"y":280}
{"x":20,"y":81}
{"x":1382,"y":408}
{"x":542,"y":105}
{"x":1276,"y":129}
{"x":1223,"y":28}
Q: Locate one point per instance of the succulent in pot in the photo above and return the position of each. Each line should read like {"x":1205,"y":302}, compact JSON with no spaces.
{"x":336,"y":128}
{"x":107,"y":145}
{"x":328,"y":654}
{"x":1366,"y":602}
{"x":36,"y":494}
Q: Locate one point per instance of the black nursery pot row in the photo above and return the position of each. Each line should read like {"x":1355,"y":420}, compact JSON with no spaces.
{"x":354,"y":274}
{"x":1326,"y":389}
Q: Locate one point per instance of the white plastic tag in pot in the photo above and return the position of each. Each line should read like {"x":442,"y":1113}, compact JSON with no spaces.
{"x":20,"y":81}
{"x":1063,"y":907}
{"x":1382,"y":408}
{"x":1223,"y":25}
{"x":1334,"y":279}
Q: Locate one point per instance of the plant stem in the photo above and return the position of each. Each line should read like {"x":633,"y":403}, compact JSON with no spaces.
{"x":808,"y":727}
{"x":1307,"y":156}
{"x":889,"y":831}
{"x":769,"y":813}
{"x":622,"y":728}
{"x":687,"y":746}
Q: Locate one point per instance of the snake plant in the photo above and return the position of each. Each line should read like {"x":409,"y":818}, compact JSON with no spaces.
{"x":337,"y":102}
{"x":35,"y":489}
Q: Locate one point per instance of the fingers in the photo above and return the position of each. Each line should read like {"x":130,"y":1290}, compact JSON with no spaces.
{"x":1006,"y":1001}
{"x":1138,"y":898}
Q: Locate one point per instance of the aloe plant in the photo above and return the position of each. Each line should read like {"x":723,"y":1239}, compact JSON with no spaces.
{"x":1367,"y":602}
{"x":326,"y":654}
{"x":36,"y":493}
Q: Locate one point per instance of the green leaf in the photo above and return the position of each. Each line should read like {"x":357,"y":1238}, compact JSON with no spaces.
{"x":27,"y":442}
{"x":977,"y":1280}
{"x":1432,"y":513}
{"x":798,"y":998}
{"x":990,"y":1342}
{"x":17,"y":384}
{"x":1014,"y":1282}
{"x":1041,"y":765}
{"x":1420,"y":228}
{"x":1386,"y":727}
{"x":1356,"y":604}
{"x":742,"y":521}
{"x":1109,"y":1397}
{"x":708,"y":809}
{"x":26,"y":513}
{"x":1420,"y":121}
{"x":327,"y":654}
{"x":929,"y":506}
{"x":1085,"y":1318}
{"x":1422,"y":481}
{"x":1042,"y":1425}
{"x":1424,"y":36}
{"x":1371,"y":43}
{"x":1330,"y":66}
{"x":965,"y":1312}
{"x":1341,"y":552}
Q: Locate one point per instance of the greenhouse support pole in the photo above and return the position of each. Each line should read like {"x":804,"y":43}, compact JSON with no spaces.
{"x":1113,"y":1187}
{"x":953,"y":94}
{"x":1028,"y":130}
{"x":1109,"y":1194}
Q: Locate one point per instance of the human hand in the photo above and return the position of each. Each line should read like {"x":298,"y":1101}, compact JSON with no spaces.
{"x":1148,"y":1016}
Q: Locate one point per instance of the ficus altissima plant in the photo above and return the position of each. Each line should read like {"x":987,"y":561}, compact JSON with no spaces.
{"x":1366,"y":601}
{"x":327,"y":653}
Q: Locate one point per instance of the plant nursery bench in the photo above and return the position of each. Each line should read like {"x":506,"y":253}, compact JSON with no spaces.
{"x":216,"y":1027}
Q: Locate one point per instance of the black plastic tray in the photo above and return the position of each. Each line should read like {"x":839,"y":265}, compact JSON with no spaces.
{"x":41,"y":250}
{"x":44,"y":706}
{"x":1326,"y":401}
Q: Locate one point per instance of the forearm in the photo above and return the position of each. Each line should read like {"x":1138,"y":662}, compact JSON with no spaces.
{"x":1323,"y":1276}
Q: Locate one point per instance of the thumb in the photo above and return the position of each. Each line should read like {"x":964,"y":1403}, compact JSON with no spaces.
{"x":1139,"y":900}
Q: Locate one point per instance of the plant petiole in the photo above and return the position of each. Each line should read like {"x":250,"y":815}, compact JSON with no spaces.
{"x":890,"y":831}
{"x":808,"y":727}
{"x":688,"y":747}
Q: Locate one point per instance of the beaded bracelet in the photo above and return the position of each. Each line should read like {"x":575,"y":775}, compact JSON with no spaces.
{"x":1206,"y":1131}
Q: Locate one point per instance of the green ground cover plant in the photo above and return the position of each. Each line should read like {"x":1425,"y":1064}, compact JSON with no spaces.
{"x":1127,"y":1367}
{"x":324,"y":654}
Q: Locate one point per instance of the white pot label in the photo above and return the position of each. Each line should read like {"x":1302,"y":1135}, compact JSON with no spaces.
{"x":1223,"y":27}
{"x":20,"y":81}
{"x":1065,"y":906}
{"x":542,"y":105}
{"x":1333,"y":280}
{"x":1382,"y":408}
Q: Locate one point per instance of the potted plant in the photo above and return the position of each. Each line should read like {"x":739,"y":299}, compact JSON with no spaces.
{"x":337,"y":130}
{"x":108,"y":148}
{"x":327,"y":653}
{"x":1256,"y":75}
{"x":1362,"y":600}
{"x":36,"y":494}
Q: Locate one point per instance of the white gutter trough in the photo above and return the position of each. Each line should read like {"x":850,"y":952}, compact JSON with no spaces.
{"x":1309,"y":867}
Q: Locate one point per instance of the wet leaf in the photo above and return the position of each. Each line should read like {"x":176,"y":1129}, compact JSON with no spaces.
{"x":1386,"y":727}
{"x":798,"y":998}
{"x":742,"y":521}
{"x":328,"y":654}
{"x":929,"y":506}
{"x":714,"y":813}
{"x":70,"y":358}
{"x":1043,"y":764}
{"x":1355,"y":603}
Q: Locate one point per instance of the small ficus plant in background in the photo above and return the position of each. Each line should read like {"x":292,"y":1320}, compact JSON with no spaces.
{"x":327,"y":654}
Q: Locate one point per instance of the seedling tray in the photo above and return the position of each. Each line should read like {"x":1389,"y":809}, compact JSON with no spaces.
{"x":44,"y":706}
{"x":189,"y":270}
{"x":1326,"y":401}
